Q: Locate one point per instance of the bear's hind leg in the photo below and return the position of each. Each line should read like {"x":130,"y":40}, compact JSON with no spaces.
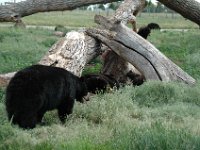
{"x":28,"y":121}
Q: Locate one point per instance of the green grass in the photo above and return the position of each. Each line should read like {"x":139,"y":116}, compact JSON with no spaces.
{"x":80,"y":18}
{"x":153,"y":116}
{"x":183,"y":48}
{"x":169,"y":22}
{"x":117,"y":121}
{"x":20,"y":48}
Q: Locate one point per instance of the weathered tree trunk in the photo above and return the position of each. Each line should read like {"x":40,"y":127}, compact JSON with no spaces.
{"x":114,"y":64}
{"x":72,"y":52}
{"x":139,"y":52}
{"x":117,"y":67}
{"x":189,"y":9}
{"x":77,"y":48}
{"x":13,"y":12}
{"x":5,"y":78}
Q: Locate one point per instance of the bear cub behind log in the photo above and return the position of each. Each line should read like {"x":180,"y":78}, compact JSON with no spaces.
{"x":100,"y":83}
{"x":37,"y":89}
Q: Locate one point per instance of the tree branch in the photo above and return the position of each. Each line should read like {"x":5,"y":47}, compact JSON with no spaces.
{"x":9,"y":13}
{"x":189,"y":9}
{"x":140,"y":53}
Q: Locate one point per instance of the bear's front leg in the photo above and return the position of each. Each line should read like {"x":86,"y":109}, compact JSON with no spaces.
{"x":65,"y":108}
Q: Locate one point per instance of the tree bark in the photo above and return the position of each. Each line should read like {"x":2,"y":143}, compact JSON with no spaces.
{"x":72,"y":52}
{"x":114,"y":64}
{"x":189,"y":9}
{"x":13,"y":12}
{"x":139,"y":52}
{"x":77,"y":48}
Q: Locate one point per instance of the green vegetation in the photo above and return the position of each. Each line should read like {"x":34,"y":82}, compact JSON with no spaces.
{"x":20,"y":48}
{"x":123,"y":120}
{"x":153,"y":116}
{"x":183,"y":48}
{"x":75,"y":18}
{"x":80,"y":18}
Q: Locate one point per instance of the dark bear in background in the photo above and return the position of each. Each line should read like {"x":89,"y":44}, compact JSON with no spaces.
{"x":99,"y":83}
{"x":136,"y":79}
{"x":146,"y":30}
{"x":153,"y":26}
{"x":37,"y":89}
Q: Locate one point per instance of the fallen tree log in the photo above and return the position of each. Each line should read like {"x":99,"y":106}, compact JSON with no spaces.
{"x":114,"y":65}
{"x":72,"y":52}
{"x":76,"y":49}
{"x":138,"y":51}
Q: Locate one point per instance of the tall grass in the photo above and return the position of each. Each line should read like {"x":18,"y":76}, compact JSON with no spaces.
{"x":156,"y":115}
{"x":116,"y":121}
{"x":183,"y":48}
{"x":20,"y":48}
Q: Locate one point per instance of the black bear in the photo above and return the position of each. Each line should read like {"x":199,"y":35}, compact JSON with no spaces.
{"x":154,"y":26}
{"x":99,"y":83}
{"x":37,"y":89}
{"x":144,"y":32}
{"x":135,"y":78}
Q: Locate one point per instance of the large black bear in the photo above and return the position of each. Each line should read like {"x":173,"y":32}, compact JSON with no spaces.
{"x":37,"y":89}
{"x":99,"y":83}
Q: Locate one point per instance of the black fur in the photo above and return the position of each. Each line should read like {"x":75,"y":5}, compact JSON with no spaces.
{"x":154,"y":26}
{"x":144,"y":32}
{"x":37,"y":89}
{"x":136,"y":79}
{"x":96,"y":83}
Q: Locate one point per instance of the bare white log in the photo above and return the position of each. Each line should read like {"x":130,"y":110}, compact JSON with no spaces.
{"x":77,"y":48}
{"x":72,"y":52}
{"x":5,"y":78}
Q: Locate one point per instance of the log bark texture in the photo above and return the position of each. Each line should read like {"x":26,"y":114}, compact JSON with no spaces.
{"x":114,"y":64}
{"x":77,"y":48}
{"x":139,"y":52}
{"x":72,"y":52}
{"x":189,"y":9}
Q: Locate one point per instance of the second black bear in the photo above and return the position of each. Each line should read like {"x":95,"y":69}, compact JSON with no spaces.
{"x":37,"y":89}
{"x":99,"y":83}
{"x":154,"y":26}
